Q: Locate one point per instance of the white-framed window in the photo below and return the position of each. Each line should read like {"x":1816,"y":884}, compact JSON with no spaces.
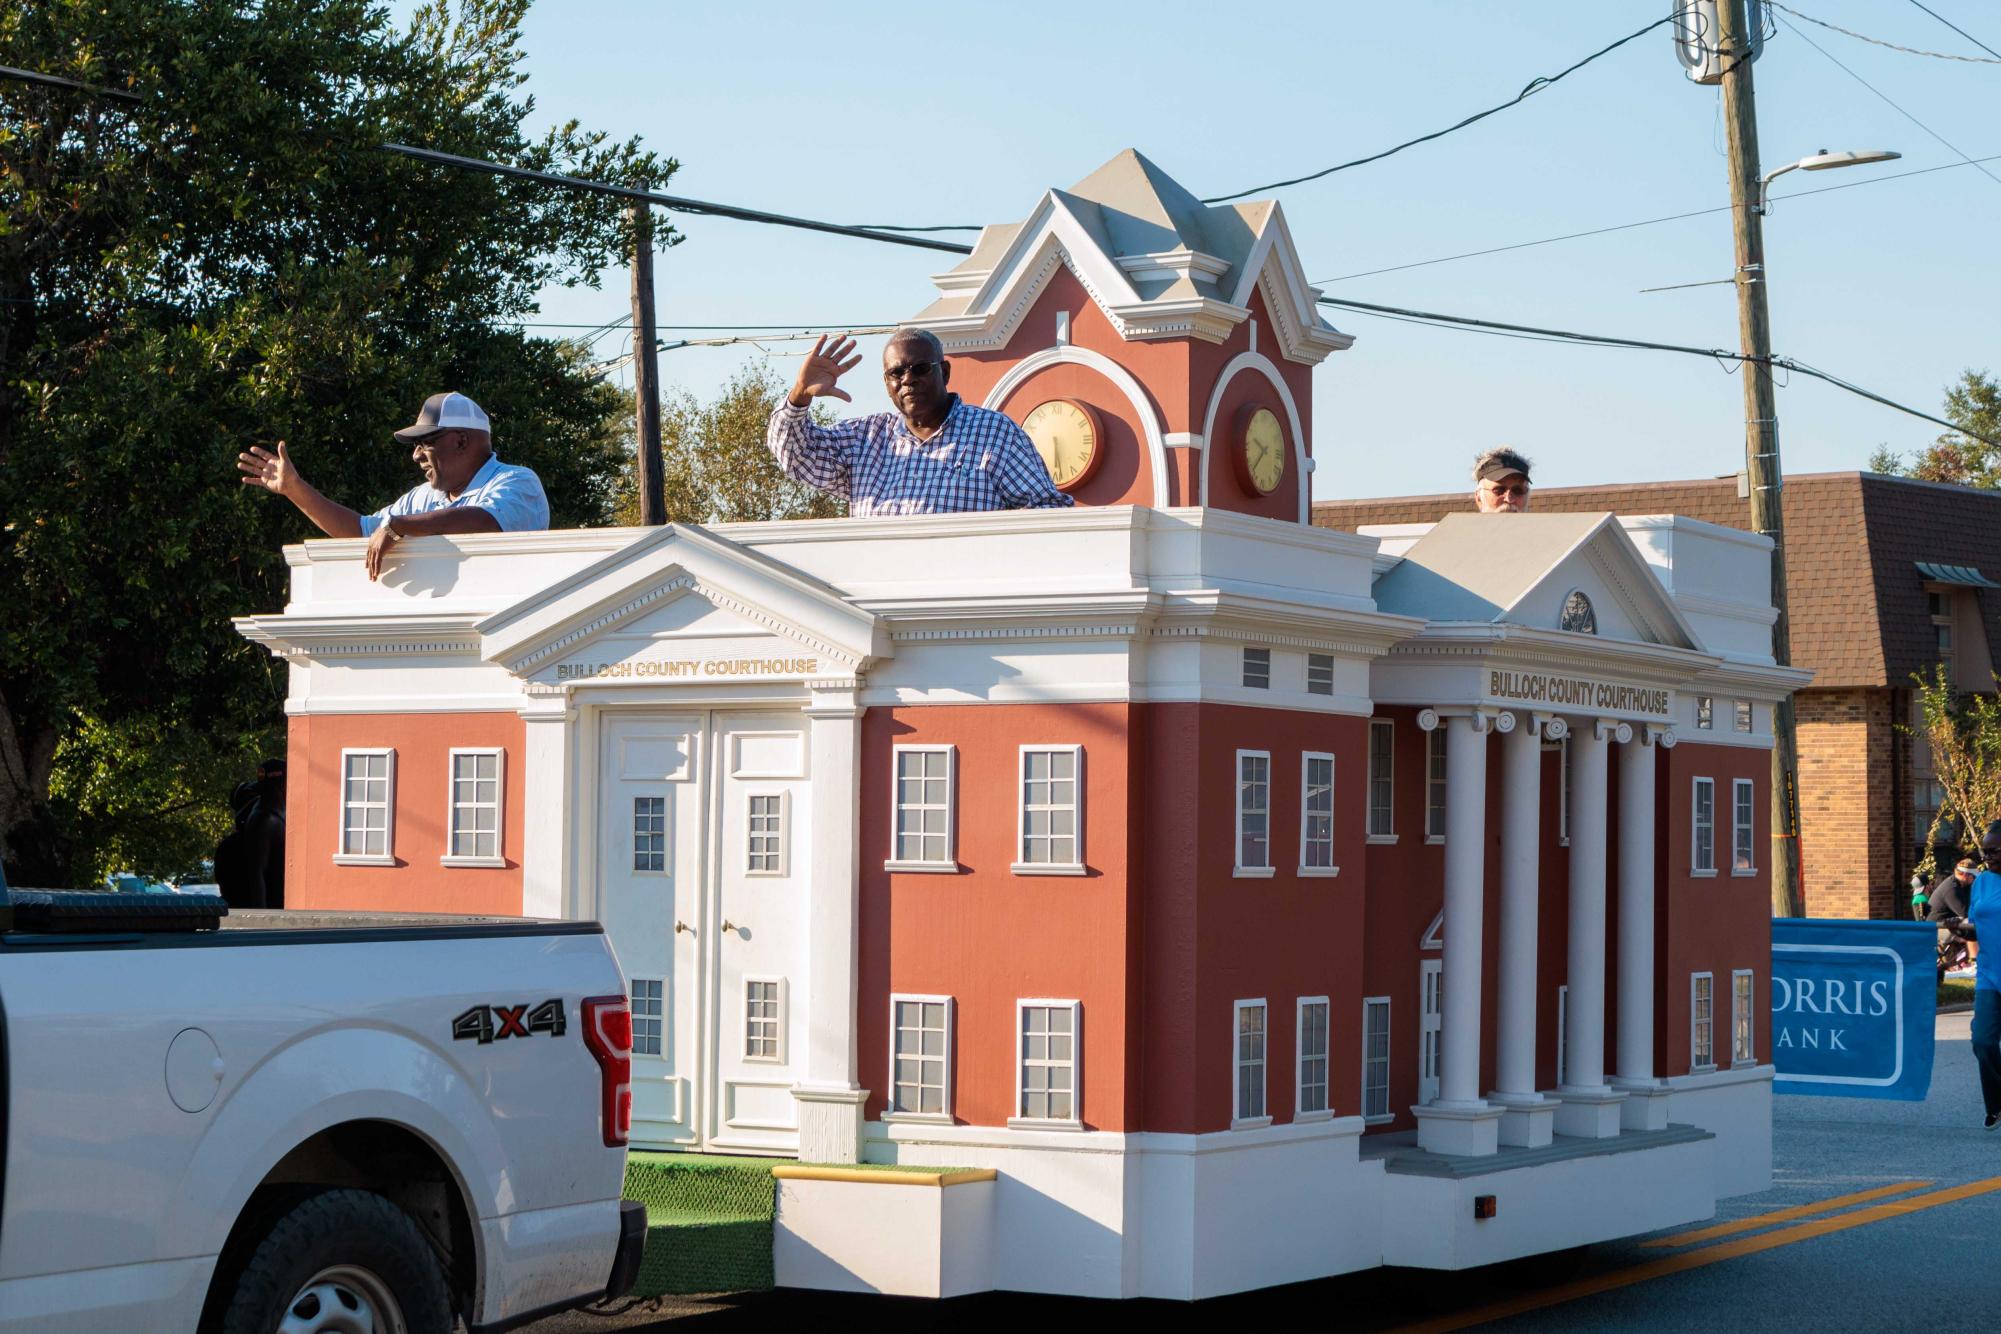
{"x":765,"y":834}
{"x":1049,"y":1064}
{"x":367,"y":835}
{"x":1742,"y":715}
{"x":1740,"y":1017}
{"x":1257,"y":668}
{"x":764,"y":1019}
{"x":649,"y":1015}
{"x":1376,"y":1059}
{"x":921,"y":825}
{"x":1251,"y":1111}
{"x":1310,"y":1043}
{"x":473,"y":804}
{"x":1701,"y":1021}
{"x":1743,"y":827}
{"x":1705,"y":712}
{"x":1050,"y":840}
{"x":1562,"y":1034}
{"x":1382,"y":780}
{"x":1434,"y":785}
{"x":1320,"y":673}
{"x":1940,"y":603}
{"x":1254,"y":813}
{"x":1702,"y":834}
{"x":1430,"y":1027}
{"x":1316,"y":814}
{"x":920,"y":1058}
{"x":649,"y":835}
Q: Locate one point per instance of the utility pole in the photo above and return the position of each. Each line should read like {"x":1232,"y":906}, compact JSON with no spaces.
{"x":1761,"y":427}
{"x":646,"y":370}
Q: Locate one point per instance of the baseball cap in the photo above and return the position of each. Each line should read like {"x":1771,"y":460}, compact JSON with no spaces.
{"x":449,"y":411}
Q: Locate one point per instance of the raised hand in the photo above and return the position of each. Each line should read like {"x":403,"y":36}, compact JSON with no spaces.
{"x":823,"y":366}
{"x":273,"y":472}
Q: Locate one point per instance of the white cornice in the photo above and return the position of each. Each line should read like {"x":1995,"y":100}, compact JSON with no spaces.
{"x":1561,"y":650}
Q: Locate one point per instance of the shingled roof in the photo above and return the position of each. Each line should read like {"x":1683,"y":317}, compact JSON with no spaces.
{"x":1853,"y":540}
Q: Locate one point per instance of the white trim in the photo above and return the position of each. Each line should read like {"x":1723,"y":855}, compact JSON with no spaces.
{"x":1264,"y":366}
{"x":1075,"y":1121}
{"x":1695,"y":866}
{"x":387,"y":857}
{"x":950,"y":862}
{"x":1299,"y":1058}
{"x":1435,"y":740}
{"x":1434,"y":935}
{"x":784,"y":868}
{"x":1695,"y":1066}
{"x":921,"y":1118}
{"x":1750,"y":1056}
{"x":1373,"y":834}
{"x":1562,"y":1034}
{"x":1260,"y":1119}
{"x":1077,"y":865}
{"x":1736,"y":784}
{"x":1072,"y":355}
{"x":781,"y":1020}
{"x":1240,"y":867}
{"x":1306,"y":759}
{"x":499,"y":857}
{"x":1386,"y":1116}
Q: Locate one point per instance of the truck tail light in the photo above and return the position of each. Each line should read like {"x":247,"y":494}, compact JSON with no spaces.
{"x":608,"y":1035}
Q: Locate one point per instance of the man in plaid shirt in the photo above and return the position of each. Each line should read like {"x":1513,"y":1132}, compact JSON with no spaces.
{"x":936,"y":455}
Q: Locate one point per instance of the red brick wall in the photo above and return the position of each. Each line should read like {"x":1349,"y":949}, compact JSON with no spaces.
{"x":1850,"y":864}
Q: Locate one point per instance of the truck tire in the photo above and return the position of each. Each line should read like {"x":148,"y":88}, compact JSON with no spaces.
{"x":340,"y":1262}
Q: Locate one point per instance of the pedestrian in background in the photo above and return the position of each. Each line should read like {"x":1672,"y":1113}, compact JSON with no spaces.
{"x":1984,"y":915}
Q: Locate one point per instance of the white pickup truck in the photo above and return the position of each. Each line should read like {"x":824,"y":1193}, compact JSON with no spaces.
{"x":297,"y":1125}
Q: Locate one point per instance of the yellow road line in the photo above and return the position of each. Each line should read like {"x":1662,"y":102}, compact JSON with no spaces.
{"x":1785,"y":1215}
{"x":1707,"y":1255}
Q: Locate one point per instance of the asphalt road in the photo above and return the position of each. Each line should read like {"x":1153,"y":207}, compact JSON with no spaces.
{"x":1896,"y":1261}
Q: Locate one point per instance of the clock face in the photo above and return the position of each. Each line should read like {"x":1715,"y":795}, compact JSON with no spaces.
{"x":1066,"y":434}
{"x":1261,"y":452}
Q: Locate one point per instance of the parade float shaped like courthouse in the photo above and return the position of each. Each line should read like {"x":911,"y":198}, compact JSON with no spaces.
{"x":1243,"y":901}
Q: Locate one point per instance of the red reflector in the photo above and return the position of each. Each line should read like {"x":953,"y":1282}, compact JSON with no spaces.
{"x":608,"y":1037}
{"x":1486,"y":1206}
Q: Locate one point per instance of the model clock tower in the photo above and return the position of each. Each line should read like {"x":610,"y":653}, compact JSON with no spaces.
{"x":1158,"y":350}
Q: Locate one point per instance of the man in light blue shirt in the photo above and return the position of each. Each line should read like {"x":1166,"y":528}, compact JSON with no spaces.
{"x":466,"y":488}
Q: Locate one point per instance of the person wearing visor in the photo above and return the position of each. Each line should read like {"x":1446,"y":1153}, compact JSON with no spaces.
{"x":933,"y":455}
{"x":1501,"y":482}
{"x":466,"y":488}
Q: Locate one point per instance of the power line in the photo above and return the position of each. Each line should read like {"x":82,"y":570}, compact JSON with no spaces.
{"x":1893,"y":106}
{"x":1878,"y":41}
{"x":58,"y":81}
{"x":1532,"y":86}
{"x":1956,"y":28}
{"x":1471,"y":325}
{"x":1649,"y":222}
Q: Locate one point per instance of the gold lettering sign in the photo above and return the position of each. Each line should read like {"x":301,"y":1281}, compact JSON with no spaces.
{"x":687,"y":668}
{"x":1577,"y":692}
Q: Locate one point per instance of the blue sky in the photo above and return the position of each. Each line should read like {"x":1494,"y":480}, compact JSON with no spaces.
{"x":965,"y":113}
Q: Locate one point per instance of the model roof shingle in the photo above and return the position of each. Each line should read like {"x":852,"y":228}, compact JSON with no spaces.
{"x":1853,"y":542}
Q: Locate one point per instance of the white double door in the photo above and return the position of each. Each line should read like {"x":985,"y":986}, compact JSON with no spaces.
{"x":702,"y":857}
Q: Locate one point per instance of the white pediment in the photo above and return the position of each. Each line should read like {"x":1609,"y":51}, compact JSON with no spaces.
{"x":677,"y":605}
{"x":1521,"y":569}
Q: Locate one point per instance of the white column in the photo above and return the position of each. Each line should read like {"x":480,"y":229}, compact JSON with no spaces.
{"x":1590,"y":1107}
{"x":1460,"y":1121}
{"x":548,"y":806}
{"x":1526,"y":1121}
{"x":829,"y":1096}
{"x":1646,"y":1103}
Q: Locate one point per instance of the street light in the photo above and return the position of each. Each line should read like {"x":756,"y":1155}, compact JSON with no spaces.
{"x":1822,"y":161}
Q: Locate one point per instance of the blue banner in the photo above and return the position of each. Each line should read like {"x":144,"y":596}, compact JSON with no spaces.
{"x":1853,"y":1004}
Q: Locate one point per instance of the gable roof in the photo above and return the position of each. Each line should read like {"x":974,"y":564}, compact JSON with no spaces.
{"x":1853,"y":543}
{"x":1484,"y":567}
{"x":1158,"y":261}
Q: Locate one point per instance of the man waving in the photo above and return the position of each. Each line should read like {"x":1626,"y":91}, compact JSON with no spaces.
{"x":934,"y":455}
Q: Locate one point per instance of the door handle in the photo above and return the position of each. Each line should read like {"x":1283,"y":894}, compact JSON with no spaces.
{"x":679,"y":927}
{"x":729,"y":926}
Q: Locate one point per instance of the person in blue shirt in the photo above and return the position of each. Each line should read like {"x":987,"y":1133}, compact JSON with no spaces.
{"x":1983,"y":915}
{"x":466,"y":488}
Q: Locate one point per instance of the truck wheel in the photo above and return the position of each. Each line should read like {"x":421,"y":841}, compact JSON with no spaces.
{"x":341,"y":1262}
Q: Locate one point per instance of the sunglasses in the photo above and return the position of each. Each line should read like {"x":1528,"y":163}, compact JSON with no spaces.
{"x":914,"y":370}
{"x":1518,"y":489}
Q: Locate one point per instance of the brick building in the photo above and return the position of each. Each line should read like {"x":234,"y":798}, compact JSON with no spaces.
{"x":1885,"y":578}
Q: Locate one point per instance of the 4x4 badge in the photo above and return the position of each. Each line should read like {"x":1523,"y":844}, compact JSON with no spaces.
{"x":490,"y":1023}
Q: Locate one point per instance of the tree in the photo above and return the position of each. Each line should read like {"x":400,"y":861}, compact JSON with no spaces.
{"x":1974,"y":407}
{"x":714,"y":466}
{"x":233,"y":260}
{"x":1964,"y":733}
